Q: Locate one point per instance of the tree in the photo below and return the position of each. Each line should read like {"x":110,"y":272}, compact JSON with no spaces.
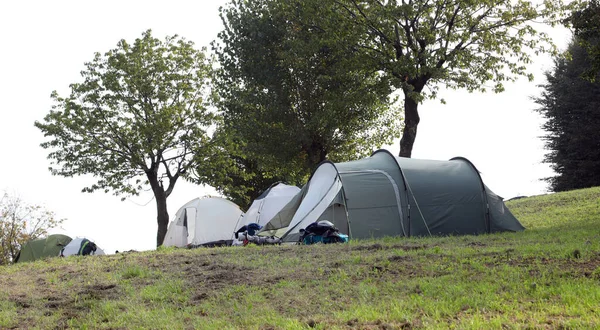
{"x":453,"y":43}
{"x":571,"y":106}
{"x":292,"y":94}
{"x":21,"y":222}
{"x":586,"y":25}
{"x":238,"y":176}
{"x":138,"y":118}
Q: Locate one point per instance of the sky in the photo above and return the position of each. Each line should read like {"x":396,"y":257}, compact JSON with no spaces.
{"x":46,"y":43}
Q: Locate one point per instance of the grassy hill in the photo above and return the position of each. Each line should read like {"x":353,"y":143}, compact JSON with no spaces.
{"x":545,"y":277}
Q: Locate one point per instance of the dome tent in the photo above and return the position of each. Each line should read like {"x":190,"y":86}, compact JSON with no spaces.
{"x":265,"y":206}
{"x":204,"y":221}
{"x":384,"y":195}
{"x":81,"y":246}
{"x":43,"y":248}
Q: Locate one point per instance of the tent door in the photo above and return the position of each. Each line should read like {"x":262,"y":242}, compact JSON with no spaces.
{"x":385,"y":177}
{"x":190,"y":215}
{"x":336,"y":213}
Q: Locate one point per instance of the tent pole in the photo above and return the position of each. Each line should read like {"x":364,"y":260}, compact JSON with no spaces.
{"x":346,"y":209}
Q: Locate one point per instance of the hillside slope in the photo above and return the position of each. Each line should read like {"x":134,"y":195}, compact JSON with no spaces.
{"x":545,"y":277}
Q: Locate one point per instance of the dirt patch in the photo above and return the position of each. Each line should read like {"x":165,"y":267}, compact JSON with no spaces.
{"x":102,"y":287}
{"x":477,"y":244}
{"x":376,"y":325}
{"x":56,"y":303}
{"x":410,"y":247}
{"x":377,"y":246}
{"x":372,"y":247}
{"x":21,"y":301}
{"x":400,"y":258}
{"x":207,"y":273}
{"x":100,"y":291}
{"x":200,"y":297}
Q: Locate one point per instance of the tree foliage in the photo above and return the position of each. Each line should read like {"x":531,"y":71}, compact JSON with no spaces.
{"x":586,"y":25}
{"x":21,"y":222}
{"x":138,"y":118}
{"x":237,"y":175}
{"x":294,"y":90}
{"x":470,"y":44}
{"x":571,"y":106}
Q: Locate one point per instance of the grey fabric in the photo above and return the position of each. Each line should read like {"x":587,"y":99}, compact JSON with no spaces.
{"x":372,"y":205}
{"x":336,"y":213}
{"x":501,"y":217}
{"x":266,"y":192}
{"x":283,"y":218}
{"x":393,"y":196}
{"x":445,"y":197}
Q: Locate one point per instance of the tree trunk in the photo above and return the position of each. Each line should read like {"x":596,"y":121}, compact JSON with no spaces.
{"x":316,"y":155}
{"x":162,"y":217}
{"x":162,"y":214}
{"x":411,"y":121}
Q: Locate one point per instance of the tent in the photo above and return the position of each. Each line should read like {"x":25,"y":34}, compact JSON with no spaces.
{"x":81,"y":246}
{"x":269,"y":203}
{"x":204,"y":221}
{"x":43,"y":248}
{"x":384,"y":195}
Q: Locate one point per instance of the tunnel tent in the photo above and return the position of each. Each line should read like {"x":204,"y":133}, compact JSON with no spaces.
{"x":383,"y":195}
{"x":204,"y":221}
{"x":269,"y":203}
{"x":43,"y":248}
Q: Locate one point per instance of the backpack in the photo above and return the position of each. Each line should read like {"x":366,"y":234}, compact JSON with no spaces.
{"x":322,"y":232}
{"x":87,"y":247}
{"x":250,"y":229}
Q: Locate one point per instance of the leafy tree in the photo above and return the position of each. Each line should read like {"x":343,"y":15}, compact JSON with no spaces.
{"x":571,"y":105}
{"x":293,"y":94}
{"x":138,"y":119}
{"x":236,"y":175}
{"x":21,"y":222}
{"x":586,"y":25}
{"x":454,"y":43}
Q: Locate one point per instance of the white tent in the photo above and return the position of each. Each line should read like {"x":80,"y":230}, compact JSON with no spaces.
{"x":77,"y":245}
{"x":265,"y":206}
{"x":203,"y":221}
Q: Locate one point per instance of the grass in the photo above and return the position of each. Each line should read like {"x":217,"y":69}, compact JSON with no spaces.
{"x":547,"y":277}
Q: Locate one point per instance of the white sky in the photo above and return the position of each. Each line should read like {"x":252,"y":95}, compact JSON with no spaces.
{"x":44,"y":47}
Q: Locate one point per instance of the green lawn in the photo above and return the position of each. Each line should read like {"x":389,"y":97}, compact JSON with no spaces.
{"x":547,"y":277}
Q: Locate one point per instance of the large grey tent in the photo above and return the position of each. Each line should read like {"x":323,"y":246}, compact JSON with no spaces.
{"x":384,"y":195}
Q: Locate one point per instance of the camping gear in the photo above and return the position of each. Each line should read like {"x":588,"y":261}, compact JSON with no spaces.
{"x":247,"y":234}
{"x":244,"y":239}
{"x":82,"y":247}
{"x":43,"y":248}
{"x":249,"y":229}
{"x":322,"y":231}
{"x":208,"y":221}
{"x":265,"y":206}
{"x":384,"y":195}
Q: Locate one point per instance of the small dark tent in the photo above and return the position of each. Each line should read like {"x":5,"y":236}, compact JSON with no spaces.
{"x":43,"y":248}
{"x":384,"y":195}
